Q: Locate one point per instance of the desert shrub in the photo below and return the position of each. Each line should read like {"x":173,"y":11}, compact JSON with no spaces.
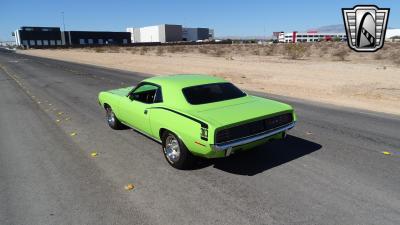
{"x":295,"y":51}
{"x":268,"y":51}
{"x":218,"y":52}
{"x":255,"y":51}
{"x":144,"y":50}
{"x":323,"y":50}
{"x":113,"y":49}
{"x":160,"y":51}
{"x":378,"y":55}
{"x":341,"y":53}
{"x":203,"y":50}
{"x":99,"y":50}
{"x":395,"y":56}
{"x":133,"y":50}
{"x":179,"y":48}
{"x":171,"y":49}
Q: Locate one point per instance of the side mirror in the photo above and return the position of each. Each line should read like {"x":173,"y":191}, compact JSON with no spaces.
{"x":130,"y":96}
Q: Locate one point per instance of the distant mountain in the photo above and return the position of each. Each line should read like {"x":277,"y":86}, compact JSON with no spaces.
{"x":244,"y":37}
{"x":338,"y":28}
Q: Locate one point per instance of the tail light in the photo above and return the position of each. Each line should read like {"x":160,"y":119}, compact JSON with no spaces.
{"x":204,"y":133}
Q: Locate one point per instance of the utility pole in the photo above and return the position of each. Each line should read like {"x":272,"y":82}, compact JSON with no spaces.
{"x":63,"y":20}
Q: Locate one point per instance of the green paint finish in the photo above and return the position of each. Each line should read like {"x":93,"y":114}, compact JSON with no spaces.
{"x":175,"y":114}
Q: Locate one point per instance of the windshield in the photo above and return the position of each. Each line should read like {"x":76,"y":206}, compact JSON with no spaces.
{"x":209,"y":93}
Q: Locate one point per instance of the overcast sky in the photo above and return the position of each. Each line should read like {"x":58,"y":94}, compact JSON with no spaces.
{"x":228,"y":18}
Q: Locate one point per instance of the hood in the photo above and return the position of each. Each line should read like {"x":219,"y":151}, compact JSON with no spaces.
{"x":236,"y":111}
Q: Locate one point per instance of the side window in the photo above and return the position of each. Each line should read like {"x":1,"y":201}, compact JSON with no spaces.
{"x":147,"y":93}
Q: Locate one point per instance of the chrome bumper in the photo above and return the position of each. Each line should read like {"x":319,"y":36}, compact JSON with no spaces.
{"x":231,"y":144}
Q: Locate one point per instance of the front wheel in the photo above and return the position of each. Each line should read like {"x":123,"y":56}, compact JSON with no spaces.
{"x":112,"y":120}
{"x":175,"y":152}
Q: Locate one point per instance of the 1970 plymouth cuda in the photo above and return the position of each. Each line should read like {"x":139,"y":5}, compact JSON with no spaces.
{"x":196,"y":115}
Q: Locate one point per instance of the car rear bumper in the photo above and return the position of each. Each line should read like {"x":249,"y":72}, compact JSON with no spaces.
{"x":229,"y":145}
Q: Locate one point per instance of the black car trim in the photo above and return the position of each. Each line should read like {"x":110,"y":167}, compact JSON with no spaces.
{"x":203,"y":124}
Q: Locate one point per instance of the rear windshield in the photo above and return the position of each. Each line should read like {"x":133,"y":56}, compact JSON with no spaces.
{"x":209,"y":93}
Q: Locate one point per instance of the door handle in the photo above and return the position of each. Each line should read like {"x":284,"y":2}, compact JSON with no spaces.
{"x":145,"y":111}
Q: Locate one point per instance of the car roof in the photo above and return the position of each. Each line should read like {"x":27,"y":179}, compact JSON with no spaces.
{"x":183,"y":80}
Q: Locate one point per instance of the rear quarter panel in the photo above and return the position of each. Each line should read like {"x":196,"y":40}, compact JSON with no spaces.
{"x":186,"y":129}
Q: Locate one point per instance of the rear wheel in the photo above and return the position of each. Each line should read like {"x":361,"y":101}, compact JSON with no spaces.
{"x":112,"y":120}
{"x":175,"y":152}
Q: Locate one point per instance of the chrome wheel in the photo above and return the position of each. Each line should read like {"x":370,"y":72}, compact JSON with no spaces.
{"x":110,"y":117}
{"x":171,"y":149}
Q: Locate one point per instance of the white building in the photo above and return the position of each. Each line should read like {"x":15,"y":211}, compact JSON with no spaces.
{"x":391,"y":33}
{"x":160,"y":33}
{"x":169,"y":33}
{"x":295,"y":37}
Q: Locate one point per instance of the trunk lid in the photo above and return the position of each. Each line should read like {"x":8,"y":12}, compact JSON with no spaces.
{"x":237,"y":111}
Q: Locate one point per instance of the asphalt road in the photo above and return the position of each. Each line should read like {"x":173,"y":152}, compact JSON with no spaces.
{"x":330,"y":170}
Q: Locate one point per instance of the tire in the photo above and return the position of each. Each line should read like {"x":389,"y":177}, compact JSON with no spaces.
{"x":176,"y":153}
{"x":112,"y":120}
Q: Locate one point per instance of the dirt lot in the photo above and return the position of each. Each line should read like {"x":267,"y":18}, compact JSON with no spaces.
{"x":322,"y":72}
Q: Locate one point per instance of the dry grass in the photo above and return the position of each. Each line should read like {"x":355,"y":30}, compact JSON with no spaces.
{"x":364,"y":80}
{"x":329,"y":51}
{"x":341,"y":53}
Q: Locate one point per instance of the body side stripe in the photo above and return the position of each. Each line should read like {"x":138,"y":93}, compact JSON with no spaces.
{"x":203,"y":124}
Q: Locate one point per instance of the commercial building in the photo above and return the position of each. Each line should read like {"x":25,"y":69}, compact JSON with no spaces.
{"x":168,"y":33}
{"x":43,"y":37}
{"x":38,"y":36}
{"x":160,"y":33}
{"x":195,"y":34}
{"x":392,"y":35}
{"x":73,"y":38}
{"x":314,"y":36}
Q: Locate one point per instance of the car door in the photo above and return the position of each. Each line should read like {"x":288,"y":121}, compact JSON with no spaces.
{"x":134,"y":106}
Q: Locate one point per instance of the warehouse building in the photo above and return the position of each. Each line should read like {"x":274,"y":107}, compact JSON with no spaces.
{"x":38,"y":36}
{"x":73,"y":38}
{"x":314,"y":36}
{"x":44,"y":37}
{"x":168,"y":33}
{"x":160,"y":33}
{"x":195,"y":34}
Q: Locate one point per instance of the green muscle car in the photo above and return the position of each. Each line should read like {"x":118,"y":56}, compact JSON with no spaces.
{"x":196,"y":115}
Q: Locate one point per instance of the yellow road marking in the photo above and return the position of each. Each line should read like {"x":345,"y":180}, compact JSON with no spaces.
{"x":129,"y":187}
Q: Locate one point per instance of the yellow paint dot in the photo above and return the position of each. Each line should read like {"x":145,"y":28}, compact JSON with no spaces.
{"x":129,"y":187}
{"x":60,"y":113}
{"x":73,"y":134}
{"x":93,"y":154}
{"x":50,"y":104}
{"x":57,"y":120}
{"x":386,"y":153}
{"x":67,"y":118}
